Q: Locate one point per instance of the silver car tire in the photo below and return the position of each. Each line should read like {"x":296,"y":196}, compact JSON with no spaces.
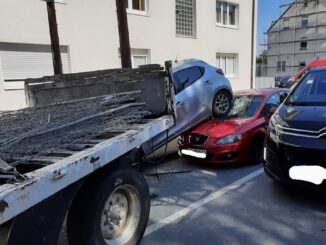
{"x":222,"y":103}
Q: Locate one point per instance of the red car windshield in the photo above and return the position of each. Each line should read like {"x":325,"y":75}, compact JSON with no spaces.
{"x":245,"y":106}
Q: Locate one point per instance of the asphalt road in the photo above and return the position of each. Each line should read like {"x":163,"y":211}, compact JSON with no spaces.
{"x":235,"y":205}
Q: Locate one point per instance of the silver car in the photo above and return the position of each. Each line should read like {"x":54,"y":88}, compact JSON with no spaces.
{"x":201,"y":91}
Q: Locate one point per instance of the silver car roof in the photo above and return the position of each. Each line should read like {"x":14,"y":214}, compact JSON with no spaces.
{"x":183,"y":64}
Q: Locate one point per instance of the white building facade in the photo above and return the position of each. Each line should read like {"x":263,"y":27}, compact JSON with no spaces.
{"x":297,"y":37}
{"x":222,"y":33}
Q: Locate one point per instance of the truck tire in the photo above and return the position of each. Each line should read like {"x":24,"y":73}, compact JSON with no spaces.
{"x":113,"y":209}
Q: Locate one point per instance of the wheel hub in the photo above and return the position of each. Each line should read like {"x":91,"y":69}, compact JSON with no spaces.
{"x":222,"y":103}
{"x":120,"y":215}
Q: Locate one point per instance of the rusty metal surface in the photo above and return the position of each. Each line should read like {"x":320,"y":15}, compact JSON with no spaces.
{"x":16,"y":197}
{"x":151,"y":80}
{"x":35,"y":137}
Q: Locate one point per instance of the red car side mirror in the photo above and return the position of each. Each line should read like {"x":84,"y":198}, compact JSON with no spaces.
{"x":272,"y":111}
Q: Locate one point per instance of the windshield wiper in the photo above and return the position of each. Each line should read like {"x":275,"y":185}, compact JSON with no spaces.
{"x":300,"y":103}
{"x":296,"y":103}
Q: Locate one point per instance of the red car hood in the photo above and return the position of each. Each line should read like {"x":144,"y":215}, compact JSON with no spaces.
{"x":219,"y":128}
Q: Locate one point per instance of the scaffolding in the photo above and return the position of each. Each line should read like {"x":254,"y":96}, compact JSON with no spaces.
{"x":300,"y":10}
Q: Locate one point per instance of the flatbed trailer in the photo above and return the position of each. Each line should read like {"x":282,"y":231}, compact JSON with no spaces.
{"x":78,"y":161}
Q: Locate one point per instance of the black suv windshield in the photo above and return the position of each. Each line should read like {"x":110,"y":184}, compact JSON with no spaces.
{"x":311,"y":90}
{"x":245,"y":106}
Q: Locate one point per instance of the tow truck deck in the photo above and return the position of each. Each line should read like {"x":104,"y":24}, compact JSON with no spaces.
{"x":48,"y":151}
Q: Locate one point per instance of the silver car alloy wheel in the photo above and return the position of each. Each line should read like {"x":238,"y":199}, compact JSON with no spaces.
{"x":121,"y":215}
{"x":222,"y":103}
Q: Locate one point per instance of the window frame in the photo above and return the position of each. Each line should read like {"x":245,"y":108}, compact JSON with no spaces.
{"x":130,"y":10}
{"x":194,"y":21}
{"x":236,"y":14}
{"x":278,"y":66}
{"x":304,"y":19}
{"x":138,"y":55}
{"x":283,"y":65}
{"x":303,"y":48}
{"x":222,"y":56}
{"x":180,"y":88}
{"x":17,"y":83}
{"x":286,"y":27}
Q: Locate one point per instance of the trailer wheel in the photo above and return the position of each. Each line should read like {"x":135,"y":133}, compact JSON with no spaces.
{"x":114,"y":211}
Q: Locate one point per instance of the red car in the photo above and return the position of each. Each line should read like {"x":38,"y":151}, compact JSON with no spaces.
{"x":312,"y":64}
{"x":239,"y":137}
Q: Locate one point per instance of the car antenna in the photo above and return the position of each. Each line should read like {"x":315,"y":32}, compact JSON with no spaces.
{"x":176,"y":58}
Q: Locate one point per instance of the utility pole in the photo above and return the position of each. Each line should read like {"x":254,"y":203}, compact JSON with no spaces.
{"x":55,"y":45}
{"x":123,"y":33}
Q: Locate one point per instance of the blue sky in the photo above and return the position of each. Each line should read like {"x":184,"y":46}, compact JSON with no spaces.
{"x":268,"y":10}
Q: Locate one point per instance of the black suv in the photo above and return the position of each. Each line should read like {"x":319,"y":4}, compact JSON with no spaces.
{"x":296,"y":135}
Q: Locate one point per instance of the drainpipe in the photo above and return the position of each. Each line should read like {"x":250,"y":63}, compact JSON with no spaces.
{"x":253,"y":30}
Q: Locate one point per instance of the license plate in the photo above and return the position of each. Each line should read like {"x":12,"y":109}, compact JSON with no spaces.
{"x":312,"y":174}
{"x":195,"y":153}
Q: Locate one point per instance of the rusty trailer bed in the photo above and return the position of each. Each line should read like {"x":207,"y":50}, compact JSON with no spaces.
{"x":66,"y":165}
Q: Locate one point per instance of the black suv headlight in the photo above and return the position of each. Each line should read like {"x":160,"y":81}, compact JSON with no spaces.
{"x":275,"y":127}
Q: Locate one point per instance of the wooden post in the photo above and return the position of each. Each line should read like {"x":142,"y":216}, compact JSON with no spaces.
{"x":55,"y":45}
{"x":123,"y":33}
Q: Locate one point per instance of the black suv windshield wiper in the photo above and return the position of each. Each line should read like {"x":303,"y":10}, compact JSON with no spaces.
{"x":302,"y":103}
{"x":299,"y":103}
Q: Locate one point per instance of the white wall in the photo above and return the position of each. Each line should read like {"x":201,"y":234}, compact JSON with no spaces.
{"x":90,"y":30}
{"x":12,"y":100}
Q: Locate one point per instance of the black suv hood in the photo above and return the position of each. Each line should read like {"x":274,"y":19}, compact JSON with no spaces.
{"x":303,"y":117}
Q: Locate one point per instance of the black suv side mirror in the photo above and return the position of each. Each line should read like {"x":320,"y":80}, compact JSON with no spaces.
{"x":283,"y":97}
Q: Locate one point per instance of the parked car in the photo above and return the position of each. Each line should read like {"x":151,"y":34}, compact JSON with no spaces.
{"x":296,"y":143}
{"x":239,"y":137}
{"x":301,"y":73}
{"x":281,"y":83}
{"x":201,"y":91}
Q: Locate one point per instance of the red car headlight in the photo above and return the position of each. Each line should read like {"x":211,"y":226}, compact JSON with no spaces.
{"x":229,"y":139}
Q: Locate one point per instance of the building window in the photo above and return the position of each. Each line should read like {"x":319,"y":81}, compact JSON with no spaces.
{"x":226,"y":13}
{"x":20,"y":61}
{"x":137,"y":6}
{"x":304,"y":22}
{"x":228,"y":63}
{"x":139,"y":60}
{"x":283,"y":65}
{"x":186,"y":18}
{"x":139,"y":57}
{"x":286,"y":24}
{"x":278,"y":66}
{"x":303,"y":45}
{"x":302,"y":65}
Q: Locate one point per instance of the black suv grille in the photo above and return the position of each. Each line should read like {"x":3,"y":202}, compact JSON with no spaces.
{"x":296,"y":155}
{"x":197,"y":139}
